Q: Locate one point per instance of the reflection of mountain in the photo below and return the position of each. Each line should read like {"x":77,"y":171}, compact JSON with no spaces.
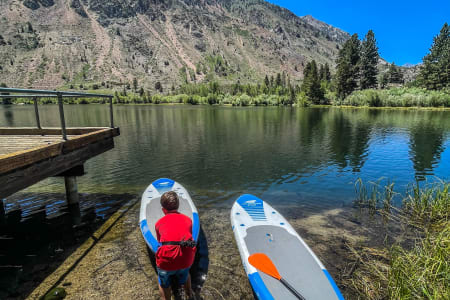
{"x":232,"y":147}
{"x":426,"y":146}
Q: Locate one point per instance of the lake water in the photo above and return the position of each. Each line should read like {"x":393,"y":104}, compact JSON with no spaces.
{"x":303,"y":161}
{"x":309,"y":157}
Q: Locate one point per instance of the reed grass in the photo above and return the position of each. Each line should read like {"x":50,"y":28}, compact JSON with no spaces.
{"x":418,"y":268}
{"x":422,"y":272}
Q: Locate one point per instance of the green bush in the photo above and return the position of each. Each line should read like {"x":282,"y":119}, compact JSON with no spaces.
{"x":212,"y":99}
{"x":302,"y":100}
{"x":156,"y":99}
{"x":273,"y":100}
{"x":261,"y":100}
{"x":242,"y":100}
{"x":182,"y":98}
{"x":398,"y":97}
{"x":227,"y":99}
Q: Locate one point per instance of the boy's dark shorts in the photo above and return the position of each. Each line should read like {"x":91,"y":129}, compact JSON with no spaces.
{"x":164,"y":276}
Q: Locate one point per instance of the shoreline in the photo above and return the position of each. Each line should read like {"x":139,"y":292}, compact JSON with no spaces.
{"x":330,"y":106}
{"x":353,"y":242}
{"x":115,"y":255}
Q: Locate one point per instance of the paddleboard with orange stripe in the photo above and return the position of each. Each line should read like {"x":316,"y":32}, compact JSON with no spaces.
{"x":259,"y":228}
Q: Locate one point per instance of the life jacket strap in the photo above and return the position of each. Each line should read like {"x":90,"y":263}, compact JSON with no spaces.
{"x":190,"y":244}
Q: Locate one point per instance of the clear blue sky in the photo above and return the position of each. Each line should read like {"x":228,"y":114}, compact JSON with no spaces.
{"x":404,"y":29}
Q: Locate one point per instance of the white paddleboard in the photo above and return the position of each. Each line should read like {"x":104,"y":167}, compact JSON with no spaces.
{"x":151,"y":210}
{"x":259,"y":228}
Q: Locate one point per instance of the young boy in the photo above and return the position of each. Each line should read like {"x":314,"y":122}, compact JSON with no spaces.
{"x":177,"y":251}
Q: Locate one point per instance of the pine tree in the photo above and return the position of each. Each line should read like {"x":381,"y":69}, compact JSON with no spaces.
{"x":384,"y":80}
{"x":395,"y":74}
{"x":278,"y":80}
{"x":324,"y":72}
{"x":435,"y":73}
{"x":158,"y":86}
{"x":321,"y":72}
{"x":369,"y":61}
{"x":135,"y":84}
{"x":311,"y":83}
{"x":347,"y":74}
{"x":266,"y":81}
{"x":327,"y":73}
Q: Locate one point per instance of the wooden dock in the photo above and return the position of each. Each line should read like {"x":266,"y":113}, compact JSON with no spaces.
{"x":29,"y":155}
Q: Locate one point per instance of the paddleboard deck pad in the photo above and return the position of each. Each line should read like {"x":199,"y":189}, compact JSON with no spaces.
{"x":151,"y":210}
{"x":259,"y":228}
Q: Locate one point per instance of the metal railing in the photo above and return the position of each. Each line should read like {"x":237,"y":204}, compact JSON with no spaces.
{"x":36,"y":94}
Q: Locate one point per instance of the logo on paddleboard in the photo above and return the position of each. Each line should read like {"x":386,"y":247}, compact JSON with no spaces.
{"x":250,"y":202}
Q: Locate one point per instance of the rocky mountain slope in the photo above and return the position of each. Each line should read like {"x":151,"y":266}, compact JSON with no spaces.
{"x":56,"y":43}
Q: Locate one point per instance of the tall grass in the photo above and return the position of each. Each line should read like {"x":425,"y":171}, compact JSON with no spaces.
{"x":373,"y":198}
{"x":398,"y":97}
{"x":429,"y":206}
{"x":420,"y":270}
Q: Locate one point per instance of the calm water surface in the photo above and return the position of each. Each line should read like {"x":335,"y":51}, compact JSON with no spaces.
{"x":303,"y":156}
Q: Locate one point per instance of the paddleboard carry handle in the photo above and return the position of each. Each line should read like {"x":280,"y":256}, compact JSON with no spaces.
{"x":293,"y":291}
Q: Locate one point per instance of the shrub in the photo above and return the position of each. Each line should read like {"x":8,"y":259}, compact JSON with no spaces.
{"x":399,"y":97}
{"x":193,"y":99}
{"x":156,"y":99}
{"x":302,"y":100}
{"x":273,"y":100}
{"x":212,"y":99}
{"x":227,"y":99}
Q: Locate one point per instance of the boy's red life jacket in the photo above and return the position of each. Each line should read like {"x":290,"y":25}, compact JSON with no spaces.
{"x":174,"y":227}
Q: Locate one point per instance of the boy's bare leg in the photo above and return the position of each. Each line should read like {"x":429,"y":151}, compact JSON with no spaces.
{"x":187,"y":287}
{"x":166,"y":293}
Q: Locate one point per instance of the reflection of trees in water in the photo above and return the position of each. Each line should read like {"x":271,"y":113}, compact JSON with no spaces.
{"x":360,"y":145}
{"x":426,"y":146}
{"x":232,"y":148}
{"x":349,"y":141}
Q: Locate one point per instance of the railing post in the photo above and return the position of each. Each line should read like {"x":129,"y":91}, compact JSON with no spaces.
{"x":111,"y":111}
{"x":61,"y":116}
{"x":36,"y":111}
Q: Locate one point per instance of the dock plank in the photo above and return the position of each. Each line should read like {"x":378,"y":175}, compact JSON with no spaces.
{"x":22,"y":147}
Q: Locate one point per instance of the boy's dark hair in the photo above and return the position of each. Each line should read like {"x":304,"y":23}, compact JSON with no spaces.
{"x":169,"y":200}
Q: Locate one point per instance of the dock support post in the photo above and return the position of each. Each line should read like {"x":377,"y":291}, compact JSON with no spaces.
{"x":73,"y":201}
